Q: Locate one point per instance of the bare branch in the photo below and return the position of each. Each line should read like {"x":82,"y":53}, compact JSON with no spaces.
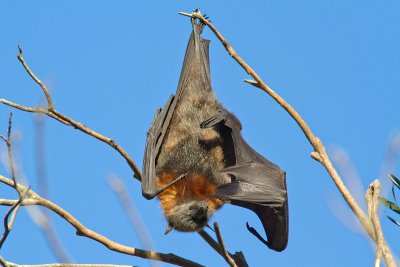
{"x":81,"y":230}
{"x":11,"y":264}
{"x":42,"y":217}
{"x":33,"y":110}
{"x":343,"y":163}
{"x":9,"y":150}
{"x":40,"y":157}
{"x":13,"y":211}
{"x":3,"y":262}
{"x":214,"y":244}
{"x":372,"y":199}
{"x":70,"y":265}
{"x":51,"y":112}
{"x":9,"y":223}
{"x":238,"y":257}
{"x":36,"y":79}
{"x":224,"y":253}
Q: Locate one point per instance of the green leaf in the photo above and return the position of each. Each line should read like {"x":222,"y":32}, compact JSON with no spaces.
{"x":390,"y":205}
{"x":395,"y":180}
{"x":394,"y":195}
{"x":393,"y":220}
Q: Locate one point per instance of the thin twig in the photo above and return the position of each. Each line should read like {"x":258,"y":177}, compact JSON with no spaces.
{"x":11,"y":264}
{"x":9,"y":150}
{"x":238,"y":257}
{"x":81,"y":230}
{"x":224,"y":253}
{"x":8,"y":223}
{"x":40,"y":151}
{"x":372,"y":199}
{"x":42,"y":217}
{"x":71,"y":265}
{"x":50,"y":105}
{"x":13,"y":211}
{"x":343,"y":163}
{"x":52,"y":112}
{"x":118,"y":186}
{"x":210,"y":241}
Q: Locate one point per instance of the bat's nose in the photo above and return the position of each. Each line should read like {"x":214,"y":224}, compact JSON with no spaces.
{"x":200,"y":216}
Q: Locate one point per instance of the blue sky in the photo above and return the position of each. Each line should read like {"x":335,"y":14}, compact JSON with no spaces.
{"x":110,"y":66}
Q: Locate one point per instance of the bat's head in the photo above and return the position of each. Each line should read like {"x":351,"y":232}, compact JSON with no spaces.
{"x":189,"y":216}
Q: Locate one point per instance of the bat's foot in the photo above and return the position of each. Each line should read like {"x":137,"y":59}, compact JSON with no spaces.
{"x":197,"y":11}
{"x":201,"y":23}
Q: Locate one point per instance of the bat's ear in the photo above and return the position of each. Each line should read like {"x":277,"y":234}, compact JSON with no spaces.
{"x":170,"y":227}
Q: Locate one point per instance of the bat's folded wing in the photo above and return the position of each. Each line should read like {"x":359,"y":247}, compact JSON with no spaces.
{"x":258,"y":184}
{"x":155,"y":136}
{"x":247,"y":191}
{"x":267,"y":201}
{"x":196,"y":53}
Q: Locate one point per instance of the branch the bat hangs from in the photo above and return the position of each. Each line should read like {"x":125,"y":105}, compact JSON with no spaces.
{"x":196,"y":159}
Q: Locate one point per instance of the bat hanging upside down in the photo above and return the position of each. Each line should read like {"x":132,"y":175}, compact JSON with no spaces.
{"x":196,"y":158}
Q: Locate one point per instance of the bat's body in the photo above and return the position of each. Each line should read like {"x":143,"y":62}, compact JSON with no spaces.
{"x":196,"y":159}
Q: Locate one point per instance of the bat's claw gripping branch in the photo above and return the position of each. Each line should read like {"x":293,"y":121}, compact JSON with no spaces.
{"x":196,"y":14}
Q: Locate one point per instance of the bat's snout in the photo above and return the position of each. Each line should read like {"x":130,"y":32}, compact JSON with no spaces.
{"x":189,"y":216}
{"x":200,"y":213}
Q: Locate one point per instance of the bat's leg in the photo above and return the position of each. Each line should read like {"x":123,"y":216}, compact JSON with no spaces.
{"x":159,"y":190}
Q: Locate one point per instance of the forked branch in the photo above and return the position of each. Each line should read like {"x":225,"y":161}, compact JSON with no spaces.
{"x":33,"y":198}
{"x":382,"y":249}
{"x":11,"y":214}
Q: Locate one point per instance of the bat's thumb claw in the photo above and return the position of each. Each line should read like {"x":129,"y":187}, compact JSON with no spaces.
{"x":251,"y":229}
{"x":254,"y":232}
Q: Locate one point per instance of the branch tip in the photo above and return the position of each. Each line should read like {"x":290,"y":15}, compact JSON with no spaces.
{"x":186,"y":14}
{"x":252,"y":82}
{"x":20,"y":52}
{"x":315,"y":155}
